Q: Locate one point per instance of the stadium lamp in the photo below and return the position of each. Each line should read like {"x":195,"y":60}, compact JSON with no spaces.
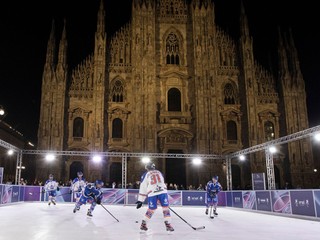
{"x":2,"y":112}
{"x":315,"y":170}
{"x":145,"y":160}
{"x":242,"y":157}
{"x":317,"y":137}
{"x":10,"y":152}
{"x":196,"y":161}
{"x":97,"y":158}
{"x":272,"y":149}
{"x":50,"y":157}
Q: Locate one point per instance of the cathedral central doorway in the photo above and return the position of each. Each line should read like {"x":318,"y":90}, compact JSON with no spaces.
{"x":176,"y":169}
{"x":75,"y":167}
{"x":115,"y":173}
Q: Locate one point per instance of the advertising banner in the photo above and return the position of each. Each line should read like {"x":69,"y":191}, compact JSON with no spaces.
{"x":194,"y":198}
{"x":1,"y":174}
{"x":258,"y":181}
{"x":6,"y":194}
{"x":237,"y":199}
{"x":32,"y":193}
{"x":113,"y":196}
{"x":229,"y":199}
{"x":222,"y":201}
{"x":249,"y":200}
{"x":316,"y":195}
{"x":63,"y":195}
{"x":263,"y":201}
{"x":175,"y":198}
{"x":302,"y":203}
{"x":15,"y":194}
{"x":281,"y":201}
{"x":21,"y":193}
{"x":1,"y":186}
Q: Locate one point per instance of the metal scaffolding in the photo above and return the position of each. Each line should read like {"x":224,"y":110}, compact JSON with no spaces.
{"x":269,"y":157}
{"x":228,"y":158}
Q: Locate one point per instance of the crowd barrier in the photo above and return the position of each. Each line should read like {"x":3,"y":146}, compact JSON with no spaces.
{"x":291,"y":202}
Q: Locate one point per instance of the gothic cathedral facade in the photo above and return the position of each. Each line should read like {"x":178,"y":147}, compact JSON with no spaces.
{"x":172,"y":81}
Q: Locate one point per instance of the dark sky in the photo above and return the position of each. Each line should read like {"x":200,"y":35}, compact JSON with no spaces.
{"x":25,"y":28}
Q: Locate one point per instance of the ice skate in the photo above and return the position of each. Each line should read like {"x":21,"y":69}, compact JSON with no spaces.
{"x":49,"y":203}
{"x":89,"y":213}
{"x":215,"y":212}
{"x":207,"y":211}
{"x":54,"y":203}
{"x":169,"y":228}
{"x":76,"y":209}
{"x":143,"y":226}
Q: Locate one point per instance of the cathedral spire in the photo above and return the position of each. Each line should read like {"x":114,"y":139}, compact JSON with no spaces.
{"x":244,"y":26}
{"x":283,"y":60}
{"x":62,"y":58}
{"x":51,"y":46}
{"x":101,"y":21}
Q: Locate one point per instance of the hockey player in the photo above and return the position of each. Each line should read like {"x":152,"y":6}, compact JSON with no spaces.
{"x":78,"y":184}
{"x":92,"y":193}
{"x":153,"y":186}
{"x":51,"y":187}
{"x":213,"y":188}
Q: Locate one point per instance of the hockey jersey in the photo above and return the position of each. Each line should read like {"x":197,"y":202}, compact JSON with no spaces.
{"x":152,"y":184}
{"x":78,"y":184}
{"x":51,"y":185}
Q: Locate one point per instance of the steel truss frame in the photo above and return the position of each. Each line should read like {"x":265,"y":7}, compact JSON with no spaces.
{"x":124,"y":155}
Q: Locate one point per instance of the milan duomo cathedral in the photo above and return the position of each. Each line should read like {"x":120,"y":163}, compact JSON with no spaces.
{"x":172,"y":81}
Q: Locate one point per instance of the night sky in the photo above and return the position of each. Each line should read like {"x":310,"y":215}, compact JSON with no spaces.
{"x":25,"y":27}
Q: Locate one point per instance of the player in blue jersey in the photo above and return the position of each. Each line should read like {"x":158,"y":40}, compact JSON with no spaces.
{"x":51,"y":186}
{"x":213,"y":188}
{"x":78,"y":184}
{"x":154,"y":188}
{"x":92,"y":194}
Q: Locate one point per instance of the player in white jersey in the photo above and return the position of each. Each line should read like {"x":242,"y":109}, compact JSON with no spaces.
{"x":78,"y":184}
{"x":154,"y":188}
{"x":51,"y":187}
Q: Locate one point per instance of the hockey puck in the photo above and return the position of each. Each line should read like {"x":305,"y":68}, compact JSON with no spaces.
{"x":137,"y":221}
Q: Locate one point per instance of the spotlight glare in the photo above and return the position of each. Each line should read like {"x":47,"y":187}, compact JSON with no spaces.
{"x":317,"y":137}
{"x":97,"y":158}
{"x":196,"y":161}
{"x":242,"y":157}
{"x":50,"y":157}
{"x":315,"y":170}
{"x":145,"y":160}
{"x":272,"y":149}
{"x":1,"y":112}
{"x":10,"y":152}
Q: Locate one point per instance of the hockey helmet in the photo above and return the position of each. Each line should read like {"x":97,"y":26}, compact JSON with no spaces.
{"x":215,"y":177}
{"x":99,"y":183}
{"x":79,"y":174}
{"x":150,"y":166}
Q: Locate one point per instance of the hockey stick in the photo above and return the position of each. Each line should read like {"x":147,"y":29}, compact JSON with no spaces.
{"x":194,"y":228}
{"x":108,"y":212}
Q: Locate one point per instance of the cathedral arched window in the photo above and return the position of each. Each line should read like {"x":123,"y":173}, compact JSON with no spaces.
{"x":229,"y":94}
{"x":174,"y":100}
{"x":172,"y":49}
{"x":117,"y":91}
{"x":269,"y":131}
{"x":78,"y":126}
{"x":117,"y":128}
{"x":232,"y":134}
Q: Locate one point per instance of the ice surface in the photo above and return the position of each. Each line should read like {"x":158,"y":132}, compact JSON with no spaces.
{"x":38,"y":221}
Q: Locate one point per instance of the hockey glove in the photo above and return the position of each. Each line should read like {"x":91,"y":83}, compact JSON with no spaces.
{"x":98,"y":200}
{"x":139,"y":204}
{"x":212,"y":194}
{"x":43,"y":190}
{"x":58,"y":189}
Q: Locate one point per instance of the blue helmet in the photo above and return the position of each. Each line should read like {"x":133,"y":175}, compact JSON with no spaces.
{"x":79,"y":174}
{"x":215,"y":177}
{"x":99,"y":182}
{"x":150,"y":166}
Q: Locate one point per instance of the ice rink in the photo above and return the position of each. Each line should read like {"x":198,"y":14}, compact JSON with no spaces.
{"x":38,"y":221}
